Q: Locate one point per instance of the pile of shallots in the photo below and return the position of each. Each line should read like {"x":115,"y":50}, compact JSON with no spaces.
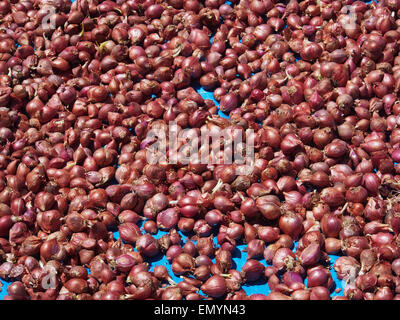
{"x":316,"y":84}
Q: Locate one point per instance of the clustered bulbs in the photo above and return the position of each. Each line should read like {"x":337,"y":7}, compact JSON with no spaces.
{"x":317,"y":84}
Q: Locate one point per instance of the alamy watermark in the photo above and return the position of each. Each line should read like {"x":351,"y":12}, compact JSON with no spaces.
{"x":175,"y":145}
{"x":348,"y":20}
